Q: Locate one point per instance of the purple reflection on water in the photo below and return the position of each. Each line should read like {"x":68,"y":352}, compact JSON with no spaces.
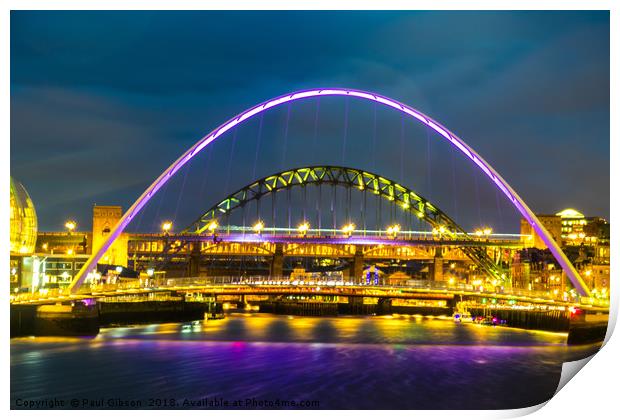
{"x":342,"y":363}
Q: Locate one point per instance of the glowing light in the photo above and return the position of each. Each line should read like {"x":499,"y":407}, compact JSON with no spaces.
{"x":70,"y":251}
{"x":348,"y":229}
{"x":44,"y":246}
{"x":478,"y":232}
{"x":212,"y":226}
{"x":150,"y":272}
{"x":166,"y":226}
{"x":70,"y":225}
{"x":393,"y":230}
{"x":487,"y":231}
{"x":119,"y":269}
{"x":219,"y":131}
{"x":570,"y":214}
{"x":303,"y":228}
{"x":258,"y":227}
{"x":588,"y":273}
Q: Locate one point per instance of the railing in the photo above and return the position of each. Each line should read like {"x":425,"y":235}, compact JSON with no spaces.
{"x":354,"y":282}
{"x":239,"y":234}
{"x":325,"y":284}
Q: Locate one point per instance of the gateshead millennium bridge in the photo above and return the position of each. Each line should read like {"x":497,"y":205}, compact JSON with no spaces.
{"x":458,"y":266}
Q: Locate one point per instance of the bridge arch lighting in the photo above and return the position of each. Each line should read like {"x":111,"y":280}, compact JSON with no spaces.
{"x":453,"y":139}
{"x":348,"y":178}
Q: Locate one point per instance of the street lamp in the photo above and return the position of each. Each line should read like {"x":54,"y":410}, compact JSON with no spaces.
{"x":393,"y":230}
{"x":439,"y":230}
{"x":70,"y":225}
{"x":258,"y":227}
{"x":348,"y":229}
{"x":166,"y":226}
{"x":212,"y":226}
{"x":487,"y":231}
{"x":303,"y":228}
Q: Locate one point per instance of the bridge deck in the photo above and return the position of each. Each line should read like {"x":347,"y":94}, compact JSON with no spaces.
{"x":357,"y":290}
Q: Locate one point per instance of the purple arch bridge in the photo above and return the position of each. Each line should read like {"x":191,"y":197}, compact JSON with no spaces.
{"x":454,"y":140}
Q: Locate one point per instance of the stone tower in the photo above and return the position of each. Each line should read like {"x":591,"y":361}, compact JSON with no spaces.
{"x":104,"y":220}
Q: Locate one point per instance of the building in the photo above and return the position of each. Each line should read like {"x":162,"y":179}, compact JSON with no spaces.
{"x":57,"y":257}
{"x":553,"y":224}
{"x":584,"y":240}
{"x":536,"y":269}
{"x":23,"y":236}
{"x":104,"y":220}
{"x":568,"y":228}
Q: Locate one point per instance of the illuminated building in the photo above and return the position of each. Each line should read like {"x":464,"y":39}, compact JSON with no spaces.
{"x":23,"y":235}
{"x":537,"y":269}
{"x":61,"y":255}
{"x":585,"y":241}
{"x":23,"y":221}
{"x":553,"y":224}
{"x":104,"y":220}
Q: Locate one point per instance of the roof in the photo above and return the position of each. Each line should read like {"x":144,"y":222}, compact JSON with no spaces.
{"x":570,"y":214}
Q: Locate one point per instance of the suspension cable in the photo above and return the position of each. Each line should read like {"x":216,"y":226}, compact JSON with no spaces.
{"x":258,"y":139}
{"x":288,"y":116}
{"x":346,"y":128}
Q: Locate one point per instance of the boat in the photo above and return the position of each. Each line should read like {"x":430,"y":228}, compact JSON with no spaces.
{"x":461,"y":314}
{"x":462,"y":317}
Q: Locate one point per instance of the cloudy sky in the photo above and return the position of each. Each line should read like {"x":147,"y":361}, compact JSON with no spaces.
{"x":102,"y":102}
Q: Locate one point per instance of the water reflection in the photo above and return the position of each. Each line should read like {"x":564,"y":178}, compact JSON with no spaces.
{"x":369,"y":330}
{"x":344,"y":362}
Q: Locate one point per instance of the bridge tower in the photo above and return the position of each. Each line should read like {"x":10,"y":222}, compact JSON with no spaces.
{"x":438,"y":265}
{"x":357,"y":268}
{"x":193,"y":268}
{"x":277,"y":264}
{"x":104,"y":220}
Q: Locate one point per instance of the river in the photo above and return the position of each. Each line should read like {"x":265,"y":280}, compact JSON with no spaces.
{"x":261,"y":360}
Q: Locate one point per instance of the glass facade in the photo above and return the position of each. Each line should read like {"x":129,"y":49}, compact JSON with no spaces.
{"x":23,"y":221}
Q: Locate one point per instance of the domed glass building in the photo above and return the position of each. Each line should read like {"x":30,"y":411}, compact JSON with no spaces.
{"x":23,"y":221}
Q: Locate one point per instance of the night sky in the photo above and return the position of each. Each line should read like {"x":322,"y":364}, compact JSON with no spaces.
{"x":102,"y":102}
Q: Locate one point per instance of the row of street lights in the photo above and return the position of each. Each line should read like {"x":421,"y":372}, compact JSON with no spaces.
{"x":303,"y":228}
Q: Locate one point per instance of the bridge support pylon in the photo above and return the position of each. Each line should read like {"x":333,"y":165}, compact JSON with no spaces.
{"x":437,"y":272}
{"x":357,"y":268}
{"x":277,"y":264}
{"x":193,"y":268}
